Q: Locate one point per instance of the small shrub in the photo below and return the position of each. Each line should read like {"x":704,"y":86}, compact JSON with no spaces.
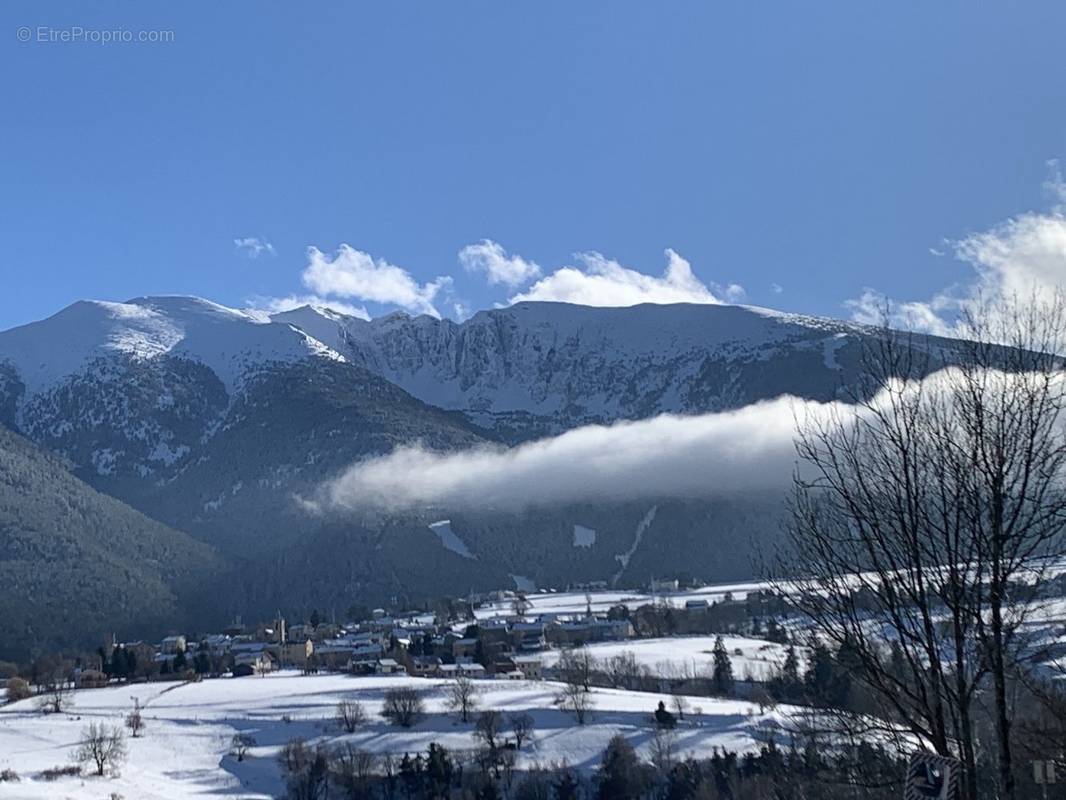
{"x":55,"y":773}
{"x":403,"y":706}
{"x":18,"y":689}
{"x":9,"y":776}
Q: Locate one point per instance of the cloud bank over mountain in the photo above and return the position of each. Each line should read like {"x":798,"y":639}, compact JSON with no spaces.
{"x":600,"y":281}
{"x":666,"y":456}
{"x":349,"y":278}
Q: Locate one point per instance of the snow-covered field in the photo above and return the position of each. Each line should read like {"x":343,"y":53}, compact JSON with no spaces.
{"x":691,"y":656}
{"x":602,"y":601}
{"x":184,"y":749}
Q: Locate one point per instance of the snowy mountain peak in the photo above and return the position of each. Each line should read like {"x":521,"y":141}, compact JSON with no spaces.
{"x":226,"y":340}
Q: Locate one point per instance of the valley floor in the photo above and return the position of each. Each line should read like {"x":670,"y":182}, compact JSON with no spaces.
{"x":184,"y":750}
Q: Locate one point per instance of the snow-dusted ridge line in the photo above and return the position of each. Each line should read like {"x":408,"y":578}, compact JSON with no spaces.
{"x":228,"y":341}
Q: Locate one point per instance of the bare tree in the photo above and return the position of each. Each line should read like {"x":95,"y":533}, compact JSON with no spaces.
{"x":680,"y":704}
{"x":54,"y":694}
{"x":577,"y":701}
{"x":522,"y":726}
{"x":624,"y":672}
{"x":663,"y":749}
{"x":577,"y":665}
{"x":103,"y":746}
{"x":240,"y":744}
{"x":350,"y":715}
{"x":353,"y":771}
{"x":403,"y":706}
{"x":462,"y":696}
{"x":1008,"y":399}
{"x":916,"y":512}
{"x":135,"y":722}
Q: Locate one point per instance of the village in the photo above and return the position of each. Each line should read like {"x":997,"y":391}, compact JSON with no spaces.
{"x":502,"y":635}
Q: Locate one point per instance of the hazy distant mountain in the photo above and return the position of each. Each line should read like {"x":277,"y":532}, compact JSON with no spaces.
{"x":220,"y":422}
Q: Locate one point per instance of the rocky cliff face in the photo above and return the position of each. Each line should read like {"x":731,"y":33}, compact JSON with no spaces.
{"x":538,"y":368}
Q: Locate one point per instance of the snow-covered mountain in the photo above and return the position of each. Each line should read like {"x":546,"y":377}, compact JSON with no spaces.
{"x":217,"y":421}
{"x":228,"y":341}
{"x":529,"y":369}
{"x":544,"y":367}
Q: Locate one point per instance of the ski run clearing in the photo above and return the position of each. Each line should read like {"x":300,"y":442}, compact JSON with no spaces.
{"x":184,"y":750}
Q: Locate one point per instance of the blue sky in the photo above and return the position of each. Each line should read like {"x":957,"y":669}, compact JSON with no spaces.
{"x":802,"y":152}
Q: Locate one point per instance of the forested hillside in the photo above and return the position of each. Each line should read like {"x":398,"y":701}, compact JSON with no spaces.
{"x":76,"y":564}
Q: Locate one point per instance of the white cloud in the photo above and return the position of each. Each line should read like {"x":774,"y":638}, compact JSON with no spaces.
{"x":489,"y":257}
{"x":351,"y":273}
{"x":278,"y":304}
{"x":1024,"y":257}
{"x":253,"y":246}
{"x":776,"y":288}
{"x":668,"y":456}
{"x":751,"y":448}
{"x":873,"y":308}
{"x":600,"y":281}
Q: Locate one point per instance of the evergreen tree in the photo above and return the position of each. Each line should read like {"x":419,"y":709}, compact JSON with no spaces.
{"x":567,"y":787}
{"x":622,"y":776}
{"x":439,"y":771}
{"x":787,"y":685}
{"x":818,"y":682}
{"x":723,"y":668}
{"x":129,"y":669}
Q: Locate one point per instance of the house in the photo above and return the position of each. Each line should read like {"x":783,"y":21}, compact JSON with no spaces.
{"x":172,"y":645}
{"x":90,"y":679}
{"x":529,"y":636}
{"x":253,"y":663}
{"x":422,"y":666}
{"x":662,"y":585}
{"x":531,"y":667}
{"x":362,"y":658}
{"x":216,"y":644}
{"x":294,"y":654}
{"x":389,"y":666}
{"x":448,"y":671}
{"x":464,"y":648}
{"x":590,"y":629}
{"x":471,"y":669}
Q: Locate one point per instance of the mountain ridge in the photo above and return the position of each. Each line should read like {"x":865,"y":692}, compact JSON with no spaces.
{"x":216,"y":421}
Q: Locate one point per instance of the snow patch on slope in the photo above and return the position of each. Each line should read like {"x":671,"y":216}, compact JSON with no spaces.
{"x":830,"y":348}
{"x":447,"y":537}
{"x":523,"y":584}
{"x":584,"y":537}
{"x":623,"y":558}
